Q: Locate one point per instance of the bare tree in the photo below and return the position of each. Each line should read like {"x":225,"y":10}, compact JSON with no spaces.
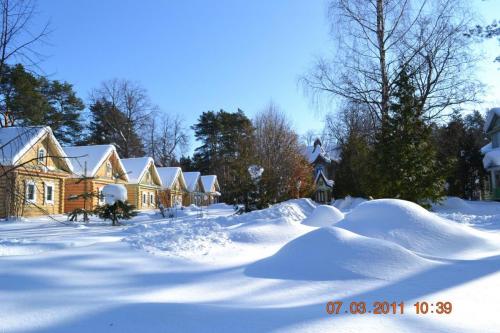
{"x":278,"y":151}
{"x":375,"y":39}
{"x":168,"y":139}
{"x":132,"y":117}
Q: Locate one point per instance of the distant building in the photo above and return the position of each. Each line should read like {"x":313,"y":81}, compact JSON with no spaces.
{"x":194,"y":195}
{"x":144,"y":183}
{"x":211,"y":189}
{"x":323,"y":163}
{"x":491,"y":160}
{"x":174,"y":186}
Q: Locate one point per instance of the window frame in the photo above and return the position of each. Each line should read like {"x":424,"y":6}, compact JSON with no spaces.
{"x":47,"y":185}
{"x":41,"y":160}
{"x":144,"y":198}
{"x":28,"y":184}
{"x":151,"y":198}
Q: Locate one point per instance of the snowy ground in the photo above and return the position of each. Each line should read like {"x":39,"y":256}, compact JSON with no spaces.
{"x":270,"y":270}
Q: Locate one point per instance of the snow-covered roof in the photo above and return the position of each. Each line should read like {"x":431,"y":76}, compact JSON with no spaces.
{"x":486,"y":148}
{"x":209,"y":182}
{"x":168,"y":175}
{"x":136,"y":168}
{"x":16,"y":141}
{"x":312,"y":153}
{"x":94,"y":156}
{"x":192,"y":179}
{"x":490,"y":117}
{"x":492,"y":158}
{"x":327,"y":181}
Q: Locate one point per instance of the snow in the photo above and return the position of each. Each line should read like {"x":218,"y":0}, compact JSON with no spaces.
{"x":209,"y":182}
{"x":491,"y":158}
{"x":413,"y":227}
{"x":348,"y":203}
{"x":113,"y":193}
{"x":92,"y":156}
{"x":136,"y":167}
{"x":16,"y":141}
{"x":323,"y":216}
{"x":191,"y":179}
{"x":168,"y":175}
{"x":333,"y":253}
{"x":210,"y":270}
{"x":489,"y":118}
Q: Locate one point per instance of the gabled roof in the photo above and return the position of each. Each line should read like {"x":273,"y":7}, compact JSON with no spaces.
{"x":327,"y":181}
{"x":137,"y":167}
{"x":492,"y":114}
{"x":192,"y":178}
{"x":94,"y":156}
{"x":168,"y":175}
{"x":16,"y":141}
{"x":491,"y":158}
{"x":208,"y":182}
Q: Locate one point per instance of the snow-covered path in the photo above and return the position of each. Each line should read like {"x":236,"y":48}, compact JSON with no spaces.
{"x":65,"y":278}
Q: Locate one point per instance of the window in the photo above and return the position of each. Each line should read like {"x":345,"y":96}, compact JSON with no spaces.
{"x":144,"y":198}
{"x":100,"y":196}
{"x":41,"y":156}
{"x":151,"y":198}
{"x":109,"y":170}
{"x":49,"y":193}
{"x":30,"y":192}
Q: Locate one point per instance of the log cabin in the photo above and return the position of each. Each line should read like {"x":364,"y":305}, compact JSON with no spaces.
{"x":194,"y":195}
{"x":33,"y":171}
{"x":211,"y":189}
{"x":174,"y":186}
{"x":94,"y":167}
{"x":144,"y":183}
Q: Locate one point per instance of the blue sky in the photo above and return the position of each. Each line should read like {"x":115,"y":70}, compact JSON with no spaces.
{"x":198,"y":55}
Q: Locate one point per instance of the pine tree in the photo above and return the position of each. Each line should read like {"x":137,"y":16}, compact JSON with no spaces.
{"x":405,"y":158}
{"x":120,"y":210}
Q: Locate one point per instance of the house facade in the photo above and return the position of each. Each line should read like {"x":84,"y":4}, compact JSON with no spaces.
{"x":211,"y":189}
{"x":173,"y":186}
{"x":144,"y":185}
{"x":491,"y":160}
{"x":93,"y":168}
{"x":34,"y":169}
{"x":323,"y":164}
{"x":194,"y":195}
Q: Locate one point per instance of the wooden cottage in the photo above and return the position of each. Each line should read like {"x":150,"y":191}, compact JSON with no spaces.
{"x":194,"y":195}
{"x":174,"y":186}
{"x":33,"y":172}
{"x":144,"y":182}
{"x":93,"y":168}
{"x":211,"y":189}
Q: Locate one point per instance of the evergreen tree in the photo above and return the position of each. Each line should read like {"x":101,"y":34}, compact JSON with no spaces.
{"x":32,"y":100}
{"x":406,"y":164}
{"x":226,"y":141}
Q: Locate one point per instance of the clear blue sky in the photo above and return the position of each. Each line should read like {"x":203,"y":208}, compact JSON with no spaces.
{"x":198,"y":55}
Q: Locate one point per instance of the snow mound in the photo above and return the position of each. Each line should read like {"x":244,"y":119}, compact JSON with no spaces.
{"x":333,"y":253}
{"x":348,"y":203}
{"x":323,"y":216}
{"x":114,"y":192}
{"x":456,"y":205}
{"x":277,"y":224}
{"x":415,"y":228}
{"x":188,"y":238}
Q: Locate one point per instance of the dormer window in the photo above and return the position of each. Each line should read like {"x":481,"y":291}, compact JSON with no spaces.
{"x":41,"y":156}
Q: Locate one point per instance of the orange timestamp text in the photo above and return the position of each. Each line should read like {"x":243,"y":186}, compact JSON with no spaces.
{"x":385,"y":307}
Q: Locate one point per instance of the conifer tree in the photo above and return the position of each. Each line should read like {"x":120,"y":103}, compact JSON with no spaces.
{"x":406,"y":166}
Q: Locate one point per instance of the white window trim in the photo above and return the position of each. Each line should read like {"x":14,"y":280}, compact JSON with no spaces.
{"x":41,"y":160}
{"x":28,"y":183}
{"x":151,"y":199}
{"x":47,"y":184}
{"x":100,"y":197}
{"x":144,"y":198}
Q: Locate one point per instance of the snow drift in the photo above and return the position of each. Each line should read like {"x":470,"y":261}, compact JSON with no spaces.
{"x":348,"y":203}
{"x":415,"y":228}
{"x":323,"y":216}
{"x":333,"y":253}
